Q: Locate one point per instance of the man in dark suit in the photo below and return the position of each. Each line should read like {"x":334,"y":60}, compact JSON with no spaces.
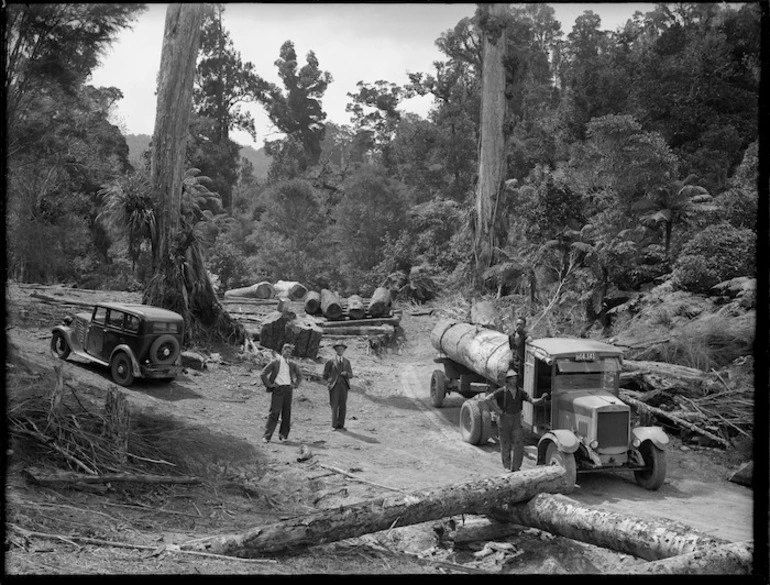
{"x":337,"y":373}
{"x":280,"y":377}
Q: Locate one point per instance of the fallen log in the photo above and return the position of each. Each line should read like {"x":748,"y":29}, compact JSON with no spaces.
{"x":356,"y":308}
{"x":290,"y":289}
{"x":484,"y":351}
{"x":683,"y":374}
{"x":261,"y":290}
{"x":380,"y":302}
{"x":646,"y":539}
{"x":61,"y":301}
{"x":313,"y":303}
{"x":41,"y":477}
{"x":394,"y":321}
{"x":662,"y":414}
{"x":474,"y":497}
{"x":330,"y":305}
{"x":360,"y":330}
{"x":735,"y":558}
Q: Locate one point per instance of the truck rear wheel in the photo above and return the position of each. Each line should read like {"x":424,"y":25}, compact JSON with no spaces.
{"x":437,"y":388}
{"x":655,"y":459}
{"x":471,"y":422}
{"x":566,"y":460}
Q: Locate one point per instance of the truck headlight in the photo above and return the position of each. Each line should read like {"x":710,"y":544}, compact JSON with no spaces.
{"x":594,"y":444}
{"x":636,"y":443}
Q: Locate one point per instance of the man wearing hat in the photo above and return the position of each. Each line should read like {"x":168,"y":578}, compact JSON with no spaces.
{"x":280,"y":377}
{"x":337,"y":373}
{"x":506,"y":401}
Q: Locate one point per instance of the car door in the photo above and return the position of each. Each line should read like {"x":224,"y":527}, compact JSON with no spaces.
{"x":113,"y":332}
{"x":95,"y":334}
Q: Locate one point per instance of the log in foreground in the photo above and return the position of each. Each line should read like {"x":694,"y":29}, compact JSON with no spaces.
{"x":735,"y":558}
{"x":476,"y":497}
{"x":646,"y":539}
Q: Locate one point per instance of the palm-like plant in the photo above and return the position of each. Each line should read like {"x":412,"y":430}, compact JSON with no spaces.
{"x":127,"y":204}
{"x":675,"y":203}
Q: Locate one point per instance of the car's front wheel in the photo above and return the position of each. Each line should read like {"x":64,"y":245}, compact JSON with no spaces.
{"x":59,"y":346}
{"x":122,"y":370}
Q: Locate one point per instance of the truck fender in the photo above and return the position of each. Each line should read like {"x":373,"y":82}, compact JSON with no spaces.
{"x":127,"y":350}
{"x":566,"y":440}
{"x":655,"y":434}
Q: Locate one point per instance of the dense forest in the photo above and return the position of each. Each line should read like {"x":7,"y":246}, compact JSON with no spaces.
{"x":630,"y":161}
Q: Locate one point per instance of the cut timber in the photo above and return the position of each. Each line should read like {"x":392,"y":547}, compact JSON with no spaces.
{"x":380,"y":302}
{"x":736,"y":558}
{"x":484,"y":351}
{"x":40,"y":477}
{"x":330,"y":305}
{"x":646,"y":539}
{"x":662,"y":414}
{"x":360,"y":330}
{"x":484,"y":313}
{"x":272,"y":334}
{"x":313,"y":303}
{"x":261,"y":290}
{"x":474,"y":497}
{"x":290,"y":289}
{"x":356,"y":322}
{"x":306,"y":337}
{"x":356,"y":308}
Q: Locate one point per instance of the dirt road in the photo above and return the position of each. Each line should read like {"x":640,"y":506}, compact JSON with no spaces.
{"x":395,"y":440}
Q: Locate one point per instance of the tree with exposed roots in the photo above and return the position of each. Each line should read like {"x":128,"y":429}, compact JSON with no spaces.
{"x":180,"y":281}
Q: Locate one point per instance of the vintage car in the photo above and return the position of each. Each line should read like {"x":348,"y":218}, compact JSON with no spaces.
{"x":585,"y":426}
{"x":134,"y":341}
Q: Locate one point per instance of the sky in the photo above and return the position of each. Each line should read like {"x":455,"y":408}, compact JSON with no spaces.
{"x":354,"y":42}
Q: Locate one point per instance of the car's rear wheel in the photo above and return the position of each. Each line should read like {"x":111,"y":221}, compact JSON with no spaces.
{"x":437,"y":388}
{"x":121,"y":368}
{"x":164,"y":350}
{"x":59,"y":346}
{"x":655,"y":459}
{"x":566,"y":460}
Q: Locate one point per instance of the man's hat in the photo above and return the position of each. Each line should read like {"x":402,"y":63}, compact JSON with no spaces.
{"x":339,"y":344}
{"x":510,"y":374}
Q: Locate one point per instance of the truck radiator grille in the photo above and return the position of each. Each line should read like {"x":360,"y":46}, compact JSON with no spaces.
{"x":612,"y":429}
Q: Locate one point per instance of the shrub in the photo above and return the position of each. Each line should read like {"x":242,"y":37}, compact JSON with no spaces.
{"x":718,"y":253}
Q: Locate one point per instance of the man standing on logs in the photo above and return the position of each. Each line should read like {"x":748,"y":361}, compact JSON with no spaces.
{"x":517,"y":342}
{"x":337,"y":373}
{"x":506,"y":402}
{"x":280,"y":377}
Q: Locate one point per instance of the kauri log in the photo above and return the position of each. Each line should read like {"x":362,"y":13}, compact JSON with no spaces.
{"x":272,"y":334}
{"x":306,"y":337}
{"x":394,"y":321}
{"x":484,"y":351}
{"x":380,"y":303}
{"x":360,"y":330}
{"x":646,"y":539}
{"x":262,"y":290}
{"x":336,"y":524}
{"x":356,"y":309}
{"x":290,"y":289}
{"x":735,"y":558}
{"x":313,"y":302}
{"x":330,"y":305}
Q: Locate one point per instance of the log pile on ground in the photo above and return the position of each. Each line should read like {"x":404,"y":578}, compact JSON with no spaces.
{"x":261,"y":290}
{"x":699,"y":404}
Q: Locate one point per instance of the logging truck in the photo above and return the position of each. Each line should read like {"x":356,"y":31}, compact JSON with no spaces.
{"x":585,"y":426}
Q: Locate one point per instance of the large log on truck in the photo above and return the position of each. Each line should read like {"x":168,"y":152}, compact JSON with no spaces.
{"x":475,"y":497}
{"x":647,"y":539}
{"x":481,"y":350}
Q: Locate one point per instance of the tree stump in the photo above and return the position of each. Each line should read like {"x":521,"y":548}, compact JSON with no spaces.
{"x":306,"y":337}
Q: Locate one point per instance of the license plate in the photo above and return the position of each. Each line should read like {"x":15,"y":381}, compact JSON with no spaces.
{"x":585,"y":357}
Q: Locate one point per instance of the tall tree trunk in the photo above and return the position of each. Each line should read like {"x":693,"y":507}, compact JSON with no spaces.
{"x":180,"y":281}
{"x":492,"y":145}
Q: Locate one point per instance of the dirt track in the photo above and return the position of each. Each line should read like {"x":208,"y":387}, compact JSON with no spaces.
{"x":395,"y":439}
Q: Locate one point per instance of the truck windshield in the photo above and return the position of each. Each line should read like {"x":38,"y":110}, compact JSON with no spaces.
{"x":600,"y":374}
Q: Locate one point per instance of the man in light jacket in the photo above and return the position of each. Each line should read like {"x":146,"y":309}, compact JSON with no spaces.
{"x":337,"y":373}
{"x":280,"y":377}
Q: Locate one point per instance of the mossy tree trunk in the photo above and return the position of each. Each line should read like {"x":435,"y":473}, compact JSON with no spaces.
{"x":180,"y":281}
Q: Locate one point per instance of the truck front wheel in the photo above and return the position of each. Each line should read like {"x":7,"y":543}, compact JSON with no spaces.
{"x":566,"y":460}
{"x":655,"y":461}
{"x":437,"y":388}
